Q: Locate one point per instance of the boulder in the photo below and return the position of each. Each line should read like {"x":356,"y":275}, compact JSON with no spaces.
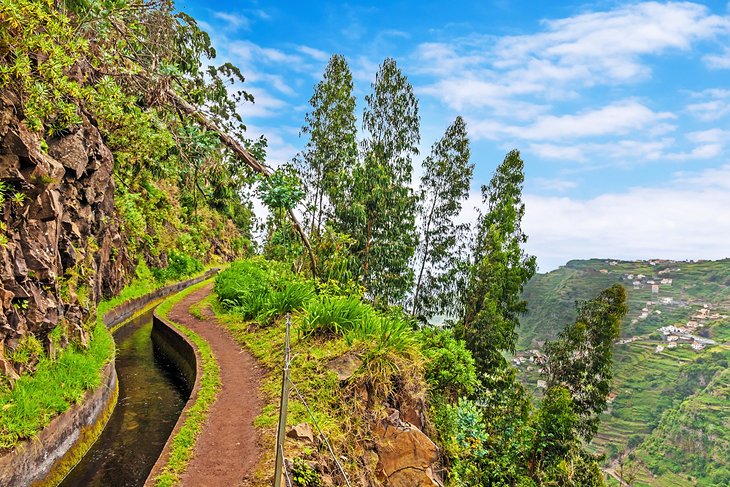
{"x":406,"y":456}
{"x":345,"y":365}
{"x":301,"y":432}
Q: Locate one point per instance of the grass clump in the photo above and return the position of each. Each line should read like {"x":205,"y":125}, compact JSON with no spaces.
{"x":261,"y":290}
{"x":180,"y":265}
{"x":183,"y":444}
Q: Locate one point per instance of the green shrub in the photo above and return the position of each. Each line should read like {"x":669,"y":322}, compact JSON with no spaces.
{"x":449,"y":365}
{"x":303,"y":475}
{"x":180,"y":266}
{"x":261,"y":290}
{"x":292,"y":297}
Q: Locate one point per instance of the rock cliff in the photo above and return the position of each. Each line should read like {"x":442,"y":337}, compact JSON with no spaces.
{"x":61,"y":249}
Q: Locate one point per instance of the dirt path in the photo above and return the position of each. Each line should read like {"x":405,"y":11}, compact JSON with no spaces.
{"x":227,"y":450}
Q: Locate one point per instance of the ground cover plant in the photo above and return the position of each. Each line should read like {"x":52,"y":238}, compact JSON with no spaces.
{"x":326,"y":325}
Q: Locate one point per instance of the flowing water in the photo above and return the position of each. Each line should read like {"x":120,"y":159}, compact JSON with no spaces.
{"x":152,"y":393}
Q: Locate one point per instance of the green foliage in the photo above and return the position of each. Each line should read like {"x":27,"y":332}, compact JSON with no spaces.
{"x":581,"y":358}
{"x":331,"y":151}
{"x":303,"y":475}
{"x":444,"y":186}
{"x":28,"y":351}
{"x":180,"y":266}
{"x":334,"y":315}
{"x":556,"y":428}
{"x":282,"y":190}
{"x":384,"y":343}
{"x":465,"y":440}
{"x":449,"y":367}
{"x":379,"y":212}
{"x":500,"y":268}
{"x":262,"y":290}
{"x":56,"y":384}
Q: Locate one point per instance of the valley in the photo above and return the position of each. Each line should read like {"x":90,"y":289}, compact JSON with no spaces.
{"x":667,"y":418}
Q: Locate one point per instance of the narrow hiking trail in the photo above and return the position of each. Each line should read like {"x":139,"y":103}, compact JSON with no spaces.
{"x":228,"y":449}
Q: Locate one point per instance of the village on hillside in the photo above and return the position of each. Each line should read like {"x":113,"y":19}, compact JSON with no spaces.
{"x":665,"y":299}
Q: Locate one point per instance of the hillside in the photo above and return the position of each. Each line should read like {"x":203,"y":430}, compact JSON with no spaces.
{"x":670,"y":386}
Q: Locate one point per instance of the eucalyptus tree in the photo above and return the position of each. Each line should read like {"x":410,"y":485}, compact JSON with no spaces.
{"x":580,"y":360}
{"x":444,"y":186}
{"x":381,"y":213}
{"x":331,"y":151}
{"x":499,"y":269}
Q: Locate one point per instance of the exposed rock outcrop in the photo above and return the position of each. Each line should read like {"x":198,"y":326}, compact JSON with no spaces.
{"x":62,"y":249}
{"x":406,"y":456}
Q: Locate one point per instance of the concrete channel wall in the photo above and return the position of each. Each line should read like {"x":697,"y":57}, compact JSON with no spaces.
{"x":186,"y":357}
{"x":47,"y":459}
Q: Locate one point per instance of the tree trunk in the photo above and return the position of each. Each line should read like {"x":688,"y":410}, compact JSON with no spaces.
{"x":250,"y":161}
{"x":367,"y":253}
{"x":425,"y":256}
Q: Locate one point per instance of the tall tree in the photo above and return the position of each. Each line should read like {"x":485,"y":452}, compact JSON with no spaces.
{"x":381,"y":214}
{"x":331,"y":151}
{"x":581,"y":358}
{"x":444,"y":186}
{"x":499,"y":270}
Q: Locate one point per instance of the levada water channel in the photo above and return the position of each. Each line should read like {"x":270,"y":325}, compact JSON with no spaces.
{"x":152,"y":393}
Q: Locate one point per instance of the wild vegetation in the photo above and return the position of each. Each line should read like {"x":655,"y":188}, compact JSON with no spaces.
{"x":374,"y":263}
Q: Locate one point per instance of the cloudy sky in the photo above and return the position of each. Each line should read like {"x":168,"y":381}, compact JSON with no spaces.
{"x":621,"y":109}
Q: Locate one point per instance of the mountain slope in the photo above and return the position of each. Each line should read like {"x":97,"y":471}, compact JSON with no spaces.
{"x":669,"y":395}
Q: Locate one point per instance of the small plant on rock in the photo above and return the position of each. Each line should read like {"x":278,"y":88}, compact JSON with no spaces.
{"x":304,"y":475}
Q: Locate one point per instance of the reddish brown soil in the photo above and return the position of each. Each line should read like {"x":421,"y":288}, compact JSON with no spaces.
{"x":227,"y":450}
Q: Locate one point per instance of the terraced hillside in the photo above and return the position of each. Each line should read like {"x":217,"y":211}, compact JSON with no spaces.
{"x":668,"y":418}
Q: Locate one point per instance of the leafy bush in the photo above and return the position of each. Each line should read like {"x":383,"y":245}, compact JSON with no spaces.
{"x":179,"y":266}
{"x":449,"y":365}
{"x":262,"y":290}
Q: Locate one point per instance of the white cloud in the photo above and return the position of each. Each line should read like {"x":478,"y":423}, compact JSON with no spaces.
{"x":315,"y":54}
{"x":609,"y":44}
{"x":265,"y":105}
{"x":718,"y":61}
{"x":715,"y":105}
{"x":581,"y":51}
{"x":560,"y":152}
{"x":615,"y":119}
{"x":233,"y":21}
{"x":250,"y":52}
{"x":555,"y":184}
{"x":680,"y":221}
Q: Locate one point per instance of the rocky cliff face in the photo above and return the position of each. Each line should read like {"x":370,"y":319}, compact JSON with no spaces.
{"x":62,"y":249}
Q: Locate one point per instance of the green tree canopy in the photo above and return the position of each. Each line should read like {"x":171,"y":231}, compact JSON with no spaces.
{"x":581,"y":358}
{"x":331,"y":150}
{"x":499,"y":270}
{"x":444,"y":186}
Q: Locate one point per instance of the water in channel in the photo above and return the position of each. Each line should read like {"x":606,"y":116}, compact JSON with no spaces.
{"x":152,"y":393}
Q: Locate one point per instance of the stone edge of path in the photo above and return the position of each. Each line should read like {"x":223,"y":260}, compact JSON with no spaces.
{"x":47,"y":459}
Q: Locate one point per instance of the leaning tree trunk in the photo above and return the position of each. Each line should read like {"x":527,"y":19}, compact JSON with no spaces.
{"x":249,"y":159}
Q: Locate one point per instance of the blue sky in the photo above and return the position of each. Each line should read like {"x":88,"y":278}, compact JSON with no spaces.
{"x":621,"y":110}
